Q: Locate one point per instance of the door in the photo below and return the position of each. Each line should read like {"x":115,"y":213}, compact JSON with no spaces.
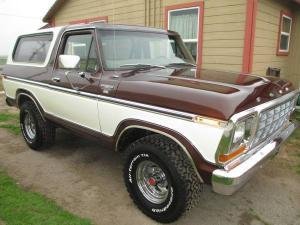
{"x":75,"y":91}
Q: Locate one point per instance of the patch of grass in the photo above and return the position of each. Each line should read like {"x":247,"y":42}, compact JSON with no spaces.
{"x":4,"y":117}
{"x":23,"y":208}
{"x":10,"y":121}
{"x":15,"y":129}
{"x":294,"y":139}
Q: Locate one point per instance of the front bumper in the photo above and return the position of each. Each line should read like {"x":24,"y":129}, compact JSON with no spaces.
{"x":226,"y":182}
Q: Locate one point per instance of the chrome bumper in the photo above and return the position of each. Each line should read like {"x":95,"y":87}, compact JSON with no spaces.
{"x":226,"y":182}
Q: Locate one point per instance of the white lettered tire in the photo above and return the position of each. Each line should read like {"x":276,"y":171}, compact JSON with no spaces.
{"x":159,"y":178}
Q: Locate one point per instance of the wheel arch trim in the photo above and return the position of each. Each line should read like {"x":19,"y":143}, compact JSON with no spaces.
{"x":22,"y":92}
{"x":166,"y":134}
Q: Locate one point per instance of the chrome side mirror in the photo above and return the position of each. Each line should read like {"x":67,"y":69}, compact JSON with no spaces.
{"x":69,"y":61}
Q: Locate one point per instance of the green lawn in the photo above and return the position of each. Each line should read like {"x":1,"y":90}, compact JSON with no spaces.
{"x":19,"y":207}
{"x":10,"y":122}
{"x":293,"y":144}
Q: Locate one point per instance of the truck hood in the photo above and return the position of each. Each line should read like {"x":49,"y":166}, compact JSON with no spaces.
{"x":208,"y":93}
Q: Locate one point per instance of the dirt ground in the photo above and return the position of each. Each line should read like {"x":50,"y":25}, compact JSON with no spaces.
{"x":86,"y":179}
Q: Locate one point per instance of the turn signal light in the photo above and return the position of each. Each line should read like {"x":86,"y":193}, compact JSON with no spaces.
{"x":226,"y":157}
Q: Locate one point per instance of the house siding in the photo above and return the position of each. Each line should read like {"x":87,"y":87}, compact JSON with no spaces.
{"x":266,"y":38}
{"x":125,"y":12}
{"x":224,"y":32}
{"x":293,"y":70}
{"x":224,"y":23}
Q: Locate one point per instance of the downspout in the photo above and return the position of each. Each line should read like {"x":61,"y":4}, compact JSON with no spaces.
{"x":250,"y":27}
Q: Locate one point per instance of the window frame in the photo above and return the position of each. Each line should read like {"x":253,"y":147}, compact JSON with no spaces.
{"x":186,"y":9}
{"x":186,"y":6}
{"x":288,"y":15}
{"x":102,"y":54}
{"x":63,"y":42}
{"x":33,"y":63}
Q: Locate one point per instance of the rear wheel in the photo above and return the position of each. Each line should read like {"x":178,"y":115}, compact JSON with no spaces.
{"x":160,"y":178}
{"x":38,"y":133}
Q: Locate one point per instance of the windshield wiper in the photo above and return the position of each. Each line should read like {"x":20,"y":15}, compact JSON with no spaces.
{"x":139,"y":67}
{"x":142,"y":66}
{"x":180,"y":64}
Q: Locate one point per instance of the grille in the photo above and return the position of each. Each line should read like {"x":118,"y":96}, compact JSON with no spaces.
{"x":272,"y":119}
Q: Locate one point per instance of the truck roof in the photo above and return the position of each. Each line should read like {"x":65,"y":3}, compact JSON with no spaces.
{"x":56,"y":32}
{"x":107,"y":26}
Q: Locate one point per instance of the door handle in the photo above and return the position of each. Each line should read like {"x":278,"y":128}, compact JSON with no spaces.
{"x":56,"y":79}
{"x":106,"y":88}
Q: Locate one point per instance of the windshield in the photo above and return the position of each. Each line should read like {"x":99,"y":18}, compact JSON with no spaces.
{"x":121,"y":48}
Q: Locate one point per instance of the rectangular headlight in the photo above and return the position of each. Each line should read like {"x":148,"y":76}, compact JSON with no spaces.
{"x":242,"y":136}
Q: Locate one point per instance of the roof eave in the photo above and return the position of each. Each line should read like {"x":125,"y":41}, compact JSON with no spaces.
{"x":52,"y":10}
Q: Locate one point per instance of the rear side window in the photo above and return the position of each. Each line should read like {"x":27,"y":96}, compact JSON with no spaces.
{"x":32,"y":49}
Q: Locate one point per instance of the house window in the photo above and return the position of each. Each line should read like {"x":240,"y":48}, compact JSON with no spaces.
{"x":186,"y":23}
{"x":285,"y":34}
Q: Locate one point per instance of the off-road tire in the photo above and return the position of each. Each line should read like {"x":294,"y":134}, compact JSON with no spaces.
{"x":171,"y":158}
{"x":45,"y":130}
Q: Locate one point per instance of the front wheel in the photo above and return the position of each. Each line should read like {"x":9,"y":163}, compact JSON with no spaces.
{"x":160,"y":178}
{"x":38,"y":133}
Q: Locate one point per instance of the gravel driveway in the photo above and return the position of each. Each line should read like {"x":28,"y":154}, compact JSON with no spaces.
{"x":86,"y":179}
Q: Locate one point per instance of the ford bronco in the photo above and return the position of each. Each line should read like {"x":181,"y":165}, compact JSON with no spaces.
{"x":139,"y":91}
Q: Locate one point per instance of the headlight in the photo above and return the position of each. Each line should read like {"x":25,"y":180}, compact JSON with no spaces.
{"x":243,"y":133}
{"x":239,"y":133}
{"x":241,"y":137}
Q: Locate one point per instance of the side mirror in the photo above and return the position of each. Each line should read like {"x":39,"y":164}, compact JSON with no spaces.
{"x":68,"y":61}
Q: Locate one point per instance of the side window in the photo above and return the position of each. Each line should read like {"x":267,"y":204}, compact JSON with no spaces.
{"x":32,"y":49}
{"x":84,"y":46}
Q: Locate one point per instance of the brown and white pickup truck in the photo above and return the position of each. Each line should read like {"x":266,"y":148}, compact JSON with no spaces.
{"x":138,"y":90}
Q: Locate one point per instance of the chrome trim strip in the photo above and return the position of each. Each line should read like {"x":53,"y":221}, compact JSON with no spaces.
{"x":227,"y":182}
{"x":258,"y":109}
{"x":225,"y":142}
{"x":252,"y":151}
{"x":36,"y":105}
{"x":146,"y":107}
{"x":167,"y":135}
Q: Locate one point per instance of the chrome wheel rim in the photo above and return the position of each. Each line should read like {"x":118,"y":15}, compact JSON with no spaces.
{"x":152,"y":182}
{"x":29,"y":125}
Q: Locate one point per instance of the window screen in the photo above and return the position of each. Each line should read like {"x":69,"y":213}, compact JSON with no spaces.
{"x":185,"y":22}
{"x":32,"y":49}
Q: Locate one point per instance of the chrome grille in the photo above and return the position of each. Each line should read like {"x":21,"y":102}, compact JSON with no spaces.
{"x":272,"y":119}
